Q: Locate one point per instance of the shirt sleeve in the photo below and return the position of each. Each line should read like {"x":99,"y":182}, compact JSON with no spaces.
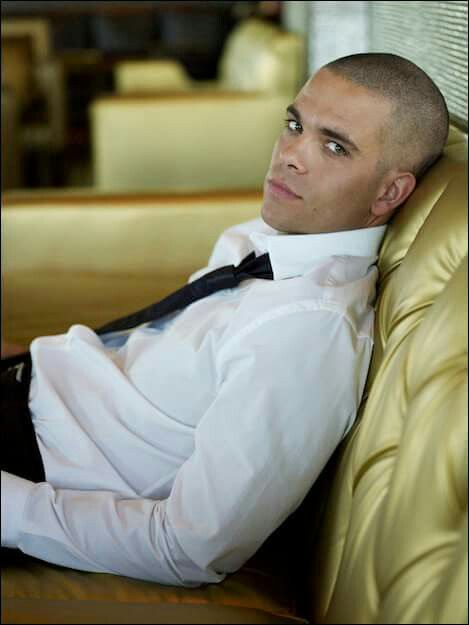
{"x":15,"y":492}
{"x":282,"y":407}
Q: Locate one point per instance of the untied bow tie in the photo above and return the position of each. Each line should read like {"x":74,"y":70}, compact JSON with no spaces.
{"x":226,"y":277}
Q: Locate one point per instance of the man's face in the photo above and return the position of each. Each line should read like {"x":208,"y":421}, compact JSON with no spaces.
{"x":323,"y":176}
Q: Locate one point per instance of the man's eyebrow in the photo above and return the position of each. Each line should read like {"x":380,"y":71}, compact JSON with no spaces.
{"x":334,"y":133}
{"x":340,"y":136}
{"x":293,"y":111}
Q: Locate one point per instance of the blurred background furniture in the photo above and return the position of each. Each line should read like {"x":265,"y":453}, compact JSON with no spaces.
{"x":12,"y":168}
{"x":166,"y":132}
{"x":258,"y":56}
{"x":190,"y":42}
{"x":184,"y":143}
{"x":61,"y":57}
{"x":382,"y":536}
{"x":150,"y":76}
{"x":35,"y":76}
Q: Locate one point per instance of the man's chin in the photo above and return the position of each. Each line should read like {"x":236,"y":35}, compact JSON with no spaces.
{"x":266,"y":215}
{"x":272,"y":220}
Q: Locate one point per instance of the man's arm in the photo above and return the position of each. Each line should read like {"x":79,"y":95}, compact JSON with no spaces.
{"x":277,"y":417}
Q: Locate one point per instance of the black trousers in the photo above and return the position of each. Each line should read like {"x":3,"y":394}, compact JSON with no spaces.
{"x":20,"y":451}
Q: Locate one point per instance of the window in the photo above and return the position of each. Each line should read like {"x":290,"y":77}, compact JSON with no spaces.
{"x":434,"y":36}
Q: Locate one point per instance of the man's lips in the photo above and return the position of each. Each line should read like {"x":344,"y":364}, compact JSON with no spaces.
{"x":282,"y":190}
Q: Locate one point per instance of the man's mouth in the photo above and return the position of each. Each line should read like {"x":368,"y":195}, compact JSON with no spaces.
{"x":282,"y":190}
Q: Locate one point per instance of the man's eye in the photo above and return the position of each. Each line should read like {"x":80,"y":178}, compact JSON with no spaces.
{"x":293,"y":125}
{"x":336,"y":148}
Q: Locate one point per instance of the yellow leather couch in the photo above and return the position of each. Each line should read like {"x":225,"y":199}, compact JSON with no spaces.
{"x":163,"y":132}
{"x":382,"y":536}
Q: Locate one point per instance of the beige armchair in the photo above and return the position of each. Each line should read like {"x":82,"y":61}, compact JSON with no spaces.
{"x":258,"y":56}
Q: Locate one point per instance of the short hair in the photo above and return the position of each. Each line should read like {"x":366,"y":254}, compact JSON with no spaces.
{"x":419,"y":120}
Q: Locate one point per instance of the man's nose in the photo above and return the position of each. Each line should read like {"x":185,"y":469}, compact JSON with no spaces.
{"x":292,"y":155}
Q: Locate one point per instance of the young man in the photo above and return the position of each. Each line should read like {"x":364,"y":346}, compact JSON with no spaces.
{"x":171,"y":450}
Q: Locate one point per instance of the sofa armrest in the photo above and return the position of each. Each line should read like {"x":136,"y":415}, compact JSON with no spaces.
{"x":87,"y":257}
{"x":189,"y":142}
{"x":150,"y":75}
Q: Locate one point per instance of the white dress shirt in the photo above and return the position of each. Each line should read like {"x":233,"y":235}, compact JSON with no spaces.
{"x":172,"y":451}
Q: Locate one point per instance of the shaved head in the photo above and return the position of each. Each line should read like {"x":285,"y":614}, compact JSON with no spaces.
{"x":417,"y":131}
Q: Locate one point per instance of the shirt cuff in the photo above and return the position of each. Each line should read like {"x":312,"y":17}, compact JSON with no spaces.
{"x":15,"y":492}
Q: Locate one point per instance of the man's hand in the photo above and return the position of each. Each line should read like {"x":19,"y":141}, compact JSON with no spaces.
{"x":11,"y":349}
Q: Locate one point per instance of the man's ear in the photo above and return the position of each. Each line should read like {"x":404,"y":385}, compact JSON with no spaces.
{"x":392,"y":193}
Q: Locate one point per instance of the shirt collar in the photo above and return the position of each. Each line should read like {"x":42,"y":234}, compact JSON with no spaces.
{"x":295,"y":254}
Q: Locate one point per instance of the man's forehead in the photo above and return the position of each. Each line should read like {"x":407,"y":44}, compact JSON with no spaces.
{"x":328,"y":99}
{"x":342,"y":95}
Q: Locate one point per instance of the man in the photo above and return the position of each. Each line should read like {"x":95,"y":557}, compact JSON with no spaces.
{"x":172,"y":450}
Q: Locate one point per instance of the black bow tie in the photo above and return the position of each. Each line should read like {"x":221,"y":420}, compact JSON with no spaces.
{"x":226,"y":277}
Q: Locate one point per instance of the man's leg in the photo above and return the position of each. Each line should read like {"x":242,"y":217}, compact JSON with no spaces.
{"x":19,"y":449}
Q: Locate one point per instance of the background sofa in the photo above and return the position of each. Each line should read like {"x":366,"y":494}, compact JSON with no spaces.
{"x":382,"y":535}
{"x":257,"y":56}
{"x":175,"y":142}
{"x":34,"y":77}
{"x":164,"y":132}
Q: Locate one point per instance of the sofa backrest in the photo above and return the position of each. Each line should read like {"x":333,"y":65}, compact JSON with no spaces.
{"x":392,"y":546}
{"x":182,"y":143}
{"x":73,"y":249}
{"x":259,"y":56}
